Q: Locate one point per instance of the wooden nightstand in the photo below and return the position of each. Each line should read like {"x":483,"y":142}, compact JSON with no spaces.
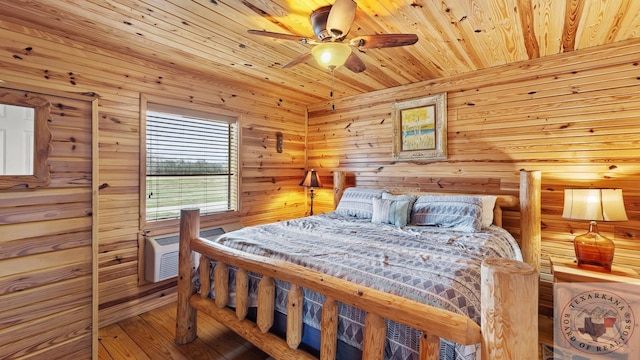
{"x":565,"y":272}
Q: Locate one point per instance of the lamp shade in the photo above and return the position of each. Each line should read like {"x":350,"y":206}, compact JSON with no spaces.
{"x":331,"y":55}
{"x":594,"y":205}
{"x":311,"y":179}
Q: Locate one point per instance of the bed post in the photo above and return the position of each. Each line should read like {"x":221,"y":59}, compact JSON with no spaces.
{"x":509,"y":288}
{"x":186,"y":329}
{"x":339,"y":180}
{"x":509,"y":318}
{"x":530,"y":231}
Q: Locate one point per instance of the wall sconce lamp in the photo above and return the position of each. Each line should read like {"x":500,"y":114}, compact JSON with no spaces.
{"x":311,"y":180}
{"x":594,"y":251}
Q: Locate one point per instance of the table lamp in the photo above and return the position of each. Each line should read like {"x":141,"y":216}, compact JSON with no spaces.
{"x":311,"y":180}
{"x":594,"y":251}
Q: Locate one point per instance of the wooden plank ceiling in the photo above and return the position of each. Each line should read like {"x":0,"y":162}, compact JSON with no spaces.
{"x":210,"y":36}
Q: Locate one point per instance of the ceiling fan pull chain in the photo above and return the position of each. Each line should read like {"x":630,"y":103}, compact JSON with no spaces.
{"x":333,"y":104}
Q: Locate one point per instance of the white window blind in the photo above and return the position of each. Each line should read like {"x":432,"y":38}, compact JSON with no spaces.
{"x":191,"y":162}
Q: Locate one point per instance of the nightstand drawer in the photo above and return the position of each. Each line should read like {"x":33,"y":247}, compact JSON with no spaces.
{"x":583,"y":300}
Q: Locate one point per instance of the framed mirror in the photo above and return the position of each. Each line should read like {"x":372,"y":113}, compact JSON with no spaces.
{"x":25,"y":140}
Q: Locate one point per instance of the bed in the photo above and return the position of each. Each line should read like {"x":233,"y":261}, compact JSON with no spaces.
{"x":381,"y":290}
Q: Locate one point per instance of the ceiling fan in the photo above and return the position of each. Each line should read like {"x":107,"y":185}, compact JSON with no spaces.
{"x":331,"y":25}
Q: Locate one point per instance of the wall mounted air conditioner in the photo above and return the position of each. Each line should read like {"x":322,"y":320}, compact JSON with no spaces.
{"x":161,"y":252}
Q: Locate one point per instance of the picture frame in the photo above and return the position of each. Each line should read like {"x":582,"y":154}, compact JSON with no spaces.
{"x":420,"y":129}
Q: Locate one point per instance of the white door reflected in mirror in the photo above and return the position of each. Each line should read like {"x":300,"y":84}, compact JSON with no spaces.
{"x":16,"y":140}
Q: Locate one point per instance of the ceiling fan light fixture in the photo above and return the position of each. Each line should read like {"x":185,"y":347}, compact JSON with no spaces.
{"x":331,"y":55}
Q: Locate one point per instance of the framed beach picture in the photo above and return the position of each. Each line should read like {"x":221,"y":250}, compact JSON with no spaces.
{"x":420,"y":129}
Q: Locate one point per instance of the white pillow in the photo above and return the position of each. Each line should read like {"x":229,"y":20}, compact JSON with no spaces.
{"x":488,"y":203}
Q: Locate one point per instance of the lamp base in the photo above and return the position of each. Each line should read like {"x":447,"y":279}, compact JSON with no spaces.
{"x":594,"y":251}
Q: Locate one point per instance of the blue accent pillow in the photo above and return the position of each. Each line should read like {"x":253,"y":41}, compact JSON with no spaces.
{"x":411,"y":198}
{"x":387,"y":211}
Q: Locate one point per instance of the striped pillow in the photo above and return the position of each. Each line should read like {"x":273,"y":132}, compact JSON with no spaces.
{"x":387,"y":211}
{"x":460,"y":212}
{"x":358,"y":202}
{"x":411,"y":198}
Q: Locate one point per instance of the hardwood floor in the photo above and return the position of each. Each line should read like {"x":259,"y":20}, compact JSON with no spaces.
{"x":151,"y":336}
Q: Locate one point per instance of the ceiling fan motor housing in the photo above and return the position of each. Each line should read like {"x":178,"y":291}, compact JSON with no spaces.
{"x":319,"y":22}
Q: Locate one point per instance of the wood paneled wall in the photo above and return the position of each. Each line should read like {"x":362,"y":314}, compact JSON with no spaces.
{"x":46,"y":256}
{"x":574,"y":116}
{"x":269,"y":185}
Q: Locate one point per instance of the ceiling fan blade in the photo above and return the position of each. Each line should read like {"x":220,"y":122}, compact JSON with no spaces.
{"x":355,"y":64}
{"x":297,"y":60}
{"x":383,"y":40}
{"x":282,"y":36}
{"x":340,"y":18}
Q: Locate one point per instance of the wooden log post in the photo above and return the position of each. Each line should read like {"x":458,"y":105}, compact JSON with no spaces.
{"x":429,"y":347}
{"x":295,"y":300}
{"x":266,"y":303}
{"x":186,"y":327}
{"x":375,"y":335}
{"x":509,"y":318}
{"x":221,"y":284}
{"x":329,"y":334}
{"x":205,"y":279}
{"x":339,"y":180}
{"x":530,"y":226}
{"x":242,"y":293}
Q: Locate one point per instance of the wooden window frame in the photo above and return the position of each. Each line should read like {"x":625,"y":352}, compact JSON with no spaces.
{"x":41,"y":176}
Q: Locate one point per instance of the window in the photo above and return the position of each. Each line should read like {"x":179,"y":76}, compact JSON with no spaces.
{"x":25,"y":140}
{"x":191,"y":161}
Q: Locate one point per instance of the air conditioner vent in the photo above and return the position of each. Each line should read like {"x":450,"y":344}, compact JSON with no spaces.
{"x":161,"y":252}
{"x":212,"y":233}
{"x":169,"y":240}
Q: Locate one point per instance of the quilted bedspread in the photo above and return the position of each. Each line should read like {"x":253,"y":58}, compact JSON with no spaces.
{"x":432,"y":265}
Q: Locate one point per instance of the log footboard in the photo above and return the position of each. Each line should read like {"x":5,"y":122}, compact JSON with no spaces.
{"x":511,"y":331}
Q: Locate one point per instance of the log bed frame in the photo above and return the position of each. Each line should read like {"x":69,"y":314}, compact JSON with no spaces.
{"x":509,"y":297}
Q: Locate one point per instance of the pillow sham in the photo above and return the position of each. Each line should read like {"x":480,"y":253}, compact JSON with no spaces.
{"x":461,"y":212}
{"x":386,"y":211}
{"x":357,"y":202}
{"x":405,"y":197}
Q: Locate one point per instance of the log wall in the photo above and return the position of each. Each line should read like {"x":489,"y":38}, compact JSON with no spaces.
{"x":572,"y":116}
{"x":269,"y":185}
{"x":46,"y":242}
